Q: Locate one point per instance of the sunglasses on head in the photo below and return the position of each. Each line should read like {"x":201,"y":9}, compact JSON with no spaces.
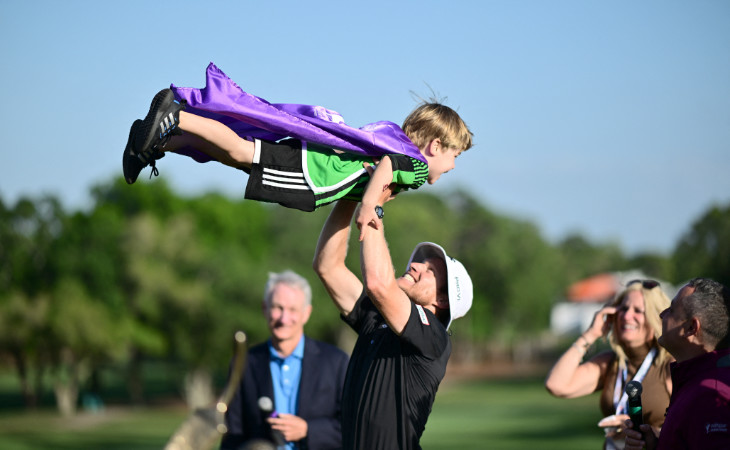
{"x":646,"y":284}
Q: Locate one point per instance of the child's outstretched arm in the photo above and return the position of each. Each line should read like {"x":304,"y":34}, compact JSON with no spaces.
{"x":377,"y":192}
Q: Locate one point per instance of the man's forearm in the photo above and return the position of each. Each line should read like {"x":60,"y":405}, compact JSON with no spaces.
{"x":329,"y":258}
{"x":376,"y":265}
{"x":380,"y":281}
{"x":332,"y":244}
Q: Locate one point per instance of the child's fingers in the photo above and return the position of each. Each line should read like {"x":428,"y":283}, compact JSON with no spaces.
{"x":362,"y":234}
{"x":375,"y":223}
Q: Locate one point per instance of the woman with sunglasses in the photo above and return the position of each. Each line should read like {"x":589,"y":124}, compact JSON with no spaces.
{"x":632,"y":324}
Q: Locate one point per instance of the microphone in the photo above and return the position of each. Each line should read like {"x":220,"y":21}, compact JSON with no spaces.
{"x":267,"y":408}
{"x":633,"y":391}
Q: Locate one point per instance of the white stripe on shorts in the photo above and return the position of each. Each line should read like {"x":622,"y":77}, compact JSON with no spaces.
{"x":283,"y":173}
{"x":301,"y":187}
{"x":299,"y":180}
{"x":289,"y":180}
{"x":256,"y":151}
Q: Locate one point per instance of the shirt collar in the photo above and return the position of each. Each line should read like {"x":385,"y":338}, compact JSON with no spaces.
{"x":297,"y":353}
{"x":685,"y":370}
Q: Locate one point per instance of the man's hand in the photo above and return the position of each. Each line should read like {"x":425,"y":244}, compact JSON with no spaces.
{"x":638,"y":441}
{"x":294,"y":428}
{"x":378,"y":191}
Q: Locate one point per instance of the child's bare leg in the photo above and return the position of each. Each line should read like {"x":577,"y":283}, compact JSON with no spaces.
{"x":214,"y":139}
{"x":161,"y":130}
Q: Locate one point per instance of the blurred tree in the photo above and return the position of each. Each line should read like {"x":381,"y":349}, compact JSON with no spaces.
{"x":164,"y":291}
{"x":146,"y":238}
{"x":653,"y":264}
{"x":704,"y":251}
{"x":154,"y":197}
{"x":22,"y":330}
{"x":293,"y":235}
{"x":234,"y":236}
{"x":582,"y":258}
{"x":32,"y":228}
{"x":7,"y":243}
{"x":28,"y":231}
{"x":515,"y":271}
{"x":82,"y":332}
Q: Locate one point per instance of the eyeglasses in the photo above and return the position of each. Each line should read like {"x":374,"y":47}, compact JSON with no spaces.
{"x":646,"y":284}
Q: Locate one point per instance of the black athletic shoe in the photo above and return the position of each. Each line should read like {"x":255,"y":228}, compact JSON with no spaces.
{"x":133,"y":161}
{"x":160,"y":124}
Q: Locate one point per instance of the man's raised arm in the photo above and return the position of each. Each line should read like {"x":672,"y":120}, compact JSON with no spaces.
{"x":329,"y":258}
{"x":378,"y":275}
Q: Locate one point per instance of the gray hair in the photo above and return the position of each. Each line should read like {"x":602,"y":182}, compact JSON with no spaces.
{"x":710,"y":302}
{"x":291,"y":279}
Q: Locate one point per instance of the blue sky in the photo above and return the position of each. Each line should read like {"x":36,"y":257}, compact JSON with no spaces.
{"x":611,"y":119}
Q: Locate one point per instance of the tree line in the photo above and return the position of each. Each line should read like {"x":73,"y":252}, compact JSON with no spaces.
{"x":146,"y":274}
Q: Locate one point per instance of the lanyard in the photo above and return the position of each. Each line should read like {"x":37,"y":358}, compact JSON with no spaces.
{"x":619,"y":401}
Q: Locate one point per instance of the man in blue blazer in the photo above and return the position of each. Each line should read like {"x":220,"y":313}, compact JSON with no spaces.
{"x":303,"y":377}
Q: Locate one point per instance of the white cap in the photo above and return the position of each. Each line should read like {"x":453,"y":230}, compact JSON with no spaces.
{"x":460,"y":287}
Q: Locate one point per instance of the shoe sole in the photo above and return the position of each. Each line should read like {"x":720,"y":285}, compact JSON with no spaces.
{"x":160,"y":103}
{"x":129,"y":159}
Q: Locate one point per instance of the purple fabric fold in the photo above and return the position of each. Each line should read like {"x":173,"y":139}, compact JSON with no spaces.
{"x":253,"y":117}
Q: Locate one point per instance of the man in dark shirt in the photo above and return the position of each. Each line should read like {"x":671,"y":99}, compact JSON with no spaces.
{"x":403,"y":344}
{"x":696,"y":331}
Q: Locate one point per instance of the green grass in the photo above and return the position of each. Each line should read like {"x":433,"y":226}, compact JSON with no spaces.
{"x":510,"y":414}
{"x":113,"y":429}
{"x":489,"y":414}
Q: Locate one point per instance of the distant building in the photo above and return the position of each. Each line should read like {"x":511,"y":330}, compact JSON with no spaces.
{"x":585,"y":297}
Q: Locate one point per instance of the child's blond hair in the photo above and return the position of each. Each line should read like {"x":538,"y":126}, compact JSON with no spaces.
{"x":431,"y":121}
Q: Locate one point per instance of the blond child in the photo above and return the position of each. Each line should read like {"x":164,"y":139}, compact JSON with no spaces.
{"x":299,"y":156}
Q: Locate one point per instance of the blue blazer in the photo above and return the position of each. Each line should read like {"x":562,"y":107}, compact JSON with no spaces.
{"x":320,"y":391}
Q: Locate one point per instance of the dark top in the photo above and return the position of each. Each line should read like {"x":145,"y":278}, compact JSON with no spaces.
{"x":698,"y":416}
{"x":392,"y":380}
{"x":320,"y":391}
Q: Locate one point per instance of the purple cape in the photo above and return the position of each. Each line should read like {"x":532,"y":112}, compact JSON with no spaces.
{"x":253,"y":117}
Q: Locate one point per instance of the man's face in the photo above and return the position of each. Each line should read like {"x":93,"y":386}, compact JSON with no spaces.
{"x":673,"y":320}
{"x":424,"y":280}
{"x":287,"y":313}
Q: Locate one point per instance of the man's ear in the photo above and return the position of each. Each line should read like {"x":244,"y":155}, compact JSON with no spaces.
{"x":693,"y":327}
{"x":442,"y":301}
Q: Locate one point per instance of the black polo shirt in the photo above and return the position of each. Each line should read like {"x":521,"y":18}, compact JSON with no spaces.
{"x":391,"y":380}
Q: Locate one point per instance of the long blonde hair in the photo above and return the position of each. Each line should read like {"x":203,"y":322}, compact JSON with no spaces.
{"x":655,"y":301}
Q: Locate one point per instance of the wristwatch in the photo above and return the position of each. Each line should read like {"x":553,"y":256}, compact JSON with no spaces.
{"x":379,"y":211}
